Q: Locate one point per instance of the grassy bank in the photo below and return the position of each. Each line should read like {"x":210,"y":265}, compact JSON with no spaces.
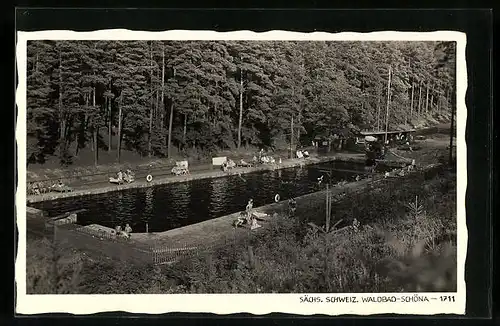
{"x":404,"y":246}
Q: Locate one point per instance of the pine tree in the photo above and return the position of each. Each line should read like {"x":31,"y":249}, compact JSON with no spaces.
{"x":40,"y":101}
{"x":133,"y":98}
{"x":212,"y":95}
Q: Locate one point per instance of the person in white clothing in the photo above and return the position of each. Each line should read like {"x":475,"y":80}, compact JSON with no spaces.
{"x":249,"y":210}
{"x":120,"y":175}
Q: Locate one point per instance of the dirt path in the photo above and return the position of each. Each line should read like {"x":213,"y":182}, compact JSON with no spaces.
{"x":166,"y":177}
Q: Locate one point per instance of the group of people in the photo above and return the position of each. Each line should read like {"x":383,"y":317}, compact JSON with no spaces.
{"x":244,"y":164}
{"x":125,"y":232}
{"x":127,"y":176}
{"x":60,"y":186}
{"x":228,"y":164}
{"x":248,"y":217}
{"x":401,"y":138}
{"x":401,"y":172}
{"x":180,"y":168}
{"x":302,"y":153}
{"x":38,"y":188}
{"x":262,"y":158}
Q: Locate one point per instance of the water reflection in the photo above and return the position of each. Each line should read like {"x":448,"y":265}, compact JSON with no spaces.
{"x":149,"y":200}
{"x":299,"y":173}
{"x":220,"y":190}
{"x":120,"y":208}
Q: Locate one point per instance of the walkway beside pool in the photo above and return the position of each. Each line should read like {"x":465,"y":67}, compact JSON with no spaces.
{"x":213,"y":173}
{"x":221,"y":228}
{"x":212,"y":233}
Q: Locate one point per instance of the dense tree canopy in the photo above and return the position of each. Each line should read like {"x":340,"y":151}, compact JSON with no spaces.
{"x":157,"y":95}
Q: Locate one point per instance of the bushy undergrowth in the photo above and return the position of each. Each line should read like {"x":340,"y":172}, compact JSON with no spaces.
{"x":402,"y":244}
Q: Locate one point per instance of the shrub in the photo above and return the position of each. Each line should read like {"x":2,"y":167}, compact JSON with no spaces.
{"x":280,"y":260}
{"x":290,"y":257}
{"x":53,"y":273}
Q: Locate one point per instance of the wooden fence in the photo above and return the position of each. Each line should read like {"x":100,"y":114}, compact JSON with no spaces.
{"x":168,"y":253}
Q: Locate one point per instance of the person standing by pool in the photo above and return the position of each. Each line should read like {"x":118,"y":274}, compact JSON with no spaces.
{"x":118,"y":229}
{"x":251,"y":220}
{"x":128,"y":229}
{"x":249,"y":210}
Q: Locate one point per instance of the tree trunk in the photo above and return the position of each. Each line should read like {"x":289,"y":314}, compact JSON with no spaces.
{"x":77,"y":140}
{"x":96,"y":131}
{"x":170,"y":122}
{"x":388,"y":103}
{"x":162,"y":106}
{"x":62,"y":124}
{"x":94,"y":108}
{"x":291,"y":137}
{"x":442,"y":100}
{"x":419,"y":99}
{"x":84,"y":130}
{"x":152,"y":106}
{"x":79,"y":132}
{"x":411,"y":103}
{"x":301,"y":103}
{"x":299,"y":122}
{"x":406,"y":110}
{"x":184,"y":131}
{"x":240,"y":121}
{"x":432,"y":100}
{"x":445,"y":105}
{"x":96,"y":152}
{"x":109,"y":121}
{"x":119,"y":130}
{"x":157,"y":107}
{"x":83,"y":127}
{"x":427,"y":99}
{"x":378,"y":112}
{"x":453,"y":101}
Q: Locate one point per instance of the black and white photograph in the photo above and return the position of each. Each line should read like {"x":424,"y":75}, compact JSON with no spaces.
{"x":301,"y":169}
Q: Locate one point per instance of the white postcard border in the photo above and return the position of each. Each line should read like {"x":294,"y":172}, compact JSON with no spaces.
{"x":258,"y":304}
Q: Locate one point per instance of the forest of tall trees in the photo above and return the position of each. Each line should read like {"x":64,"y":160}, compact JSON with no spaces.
{"x":155,"y":97}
